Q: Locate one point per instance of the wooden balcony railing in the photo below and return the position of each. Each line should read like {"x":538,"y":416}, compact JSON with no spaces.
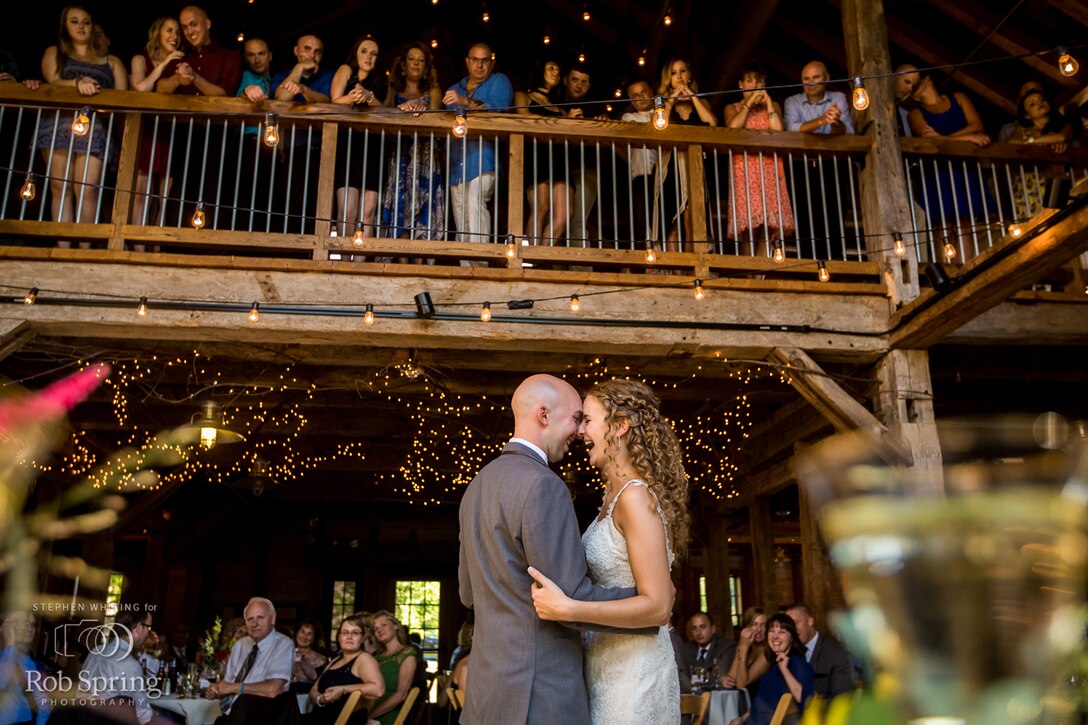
{"x":295,"y":201}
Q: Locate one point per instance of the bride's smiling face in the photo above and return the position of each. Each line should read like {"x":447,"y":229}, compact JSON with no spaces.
{"x":595,"y":432}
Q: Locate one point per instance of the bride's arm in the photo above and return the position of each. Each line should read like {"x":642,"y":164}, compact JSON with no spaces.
{"x":637,"y":519}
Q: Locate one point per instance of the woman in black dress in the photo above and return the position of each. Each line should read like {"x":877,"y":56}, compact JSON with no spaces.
{"x":545,"y":167}
{"x":354,"y":670}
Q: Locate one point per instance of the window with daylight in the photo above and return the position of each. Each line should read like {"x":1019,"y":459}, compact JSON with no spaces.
{"x":735,"y":610}
{"x":417,"y":609}
{"x":343,"y":604}
{"x":113,"y":594}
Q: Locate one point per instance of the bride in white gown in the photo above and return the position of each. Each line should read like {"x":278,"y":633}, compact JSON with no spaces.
{"x":642,"y":526}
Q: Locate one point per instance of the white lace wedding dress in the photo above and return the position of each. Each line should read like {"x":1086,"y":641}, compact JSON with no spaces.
{"x":632,"y":678}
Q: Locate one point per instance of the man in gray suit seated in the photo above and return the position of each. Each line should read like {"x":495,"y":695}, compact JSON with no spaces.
{"x":705,"y":649}
{"x":830,"y":661}
{"x":518,"y":513}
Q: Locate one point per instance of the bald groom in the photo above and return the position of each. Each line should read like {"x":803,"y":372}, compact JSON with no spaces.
{"x":517,"y":512}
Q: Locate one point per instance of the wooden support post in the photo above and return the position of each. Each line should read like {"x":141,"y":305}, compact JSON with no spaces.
{"x":760,"y":523}
{"x":904,"y":402}
{"x":126,"y":179}
{"x":13,"y":335}
{"x":697,"y":209}
{"x":326,"y":183}
{"x":716,"y":571}
{"x":821,"y":589}
{"x":515,"y":202}
{"x":844,"y":412}
{"x":883,"y":186}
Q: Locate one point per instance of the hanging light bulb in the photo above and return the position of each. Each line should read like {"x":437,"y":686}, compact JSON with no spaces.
{"x":511,"y":246}
{"x":31,"y":296}
{"x":661,"y":116}
{"x":1066,"y":63}
{"x":619,"y":93}
{"x":142,"y":309}
{"x":861,"y":96}
{"x":434,"y":42}
{"x":699,"y":294}
{"x":271,"y":131}
{"x":487,"y":17}
{"x":585,"y":15}
{"x":642,"y":60}
{"x":485,"y":312}
{"x":29,"y":190}
{"x":668,"y":19}
{"x":900,"y":247}
{"x":368,"y":316}
{"x":199,"y":217}
{"x":357,"y":237}
{"x":581,"y":57}
{"x":949,"y":250}
{"x":651,"y":253}
{"x":608,"y":108}
{"x":241,"y":37}
{"x":779,"y":254}
{"x":547,"y":40}
{"x":82,"y":124}
{"x":575,"y":304}
{"x":210,"y":424}
{"x":255,"y":312}
{"x":1015,"y":230}
{"x":821,"y":270}
{"x":460,"y":123}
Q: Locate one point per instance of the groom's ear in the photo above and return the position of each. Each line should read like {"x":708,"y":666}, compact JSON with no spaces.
{"x":542,"y":414}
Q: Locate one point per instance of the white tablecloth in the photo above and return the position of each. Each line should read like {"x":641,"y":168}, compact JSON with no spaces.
{"x":726,"y":705}
{"x":197,"y":710}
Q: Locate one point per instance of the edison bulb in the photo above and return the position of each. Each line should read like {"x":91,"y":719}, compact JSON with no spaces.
{"x":861,"y":96}
{"x":661,"y":116}
{"x":460,"y":125}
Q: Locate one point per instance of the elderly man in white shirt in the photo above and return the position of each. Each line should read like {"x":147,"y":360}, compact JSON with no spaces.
{"x":259,"y":666}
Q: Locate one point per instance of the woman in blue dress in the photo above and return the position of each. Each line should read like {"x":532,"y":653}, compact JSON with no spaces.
{"x":75,"y":162}
{"x":788,"y":671}
{"x":414,"y":198}
{"x":953,"y":198}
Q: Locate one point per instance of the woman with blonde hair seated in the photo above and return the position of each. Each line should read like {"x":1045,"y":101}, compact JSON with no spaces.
{"x":398,"y":663}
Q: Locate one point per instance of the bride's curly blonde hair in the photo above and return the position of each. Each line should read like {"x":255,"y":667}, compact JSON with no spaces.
{"x":654,"y":449}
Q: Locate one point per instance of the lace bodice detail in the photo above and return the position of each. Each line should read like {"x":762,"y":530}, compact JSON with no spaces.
{"x":631,"y":677}
{"x":606,"y":549}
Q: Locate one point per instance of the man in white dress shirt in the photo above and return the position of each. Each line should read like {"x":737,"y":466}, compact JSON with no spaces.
{"x":258,"y":671}
{"x":111,"y":675}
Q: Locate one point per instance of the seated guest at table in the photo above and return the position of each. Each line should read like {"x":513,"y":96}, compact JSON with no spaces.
{"x":398,"y":663}
{"x":255,"y":686}
{"x":112,"y":675}
{"x":829,"y":659}
{"x":749,"y":662}
{"x":707,"y":651}
{"x":20,"y":704}
{"x":181,"y":648}
{"x":459,"y":678}
{"x":308,"y":661}
{"x":354,"y":670}
{"x":464,"y":641}
{"x":787,"y":671}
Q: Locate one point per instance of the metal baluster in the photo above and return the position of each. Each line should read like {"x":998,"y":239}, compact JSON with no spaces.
{"x":854,"y":208}
{"x":630,"y":195}
{"x":238,"y":175}
{"x":913,"y":215}
{"x":256,"y":174}
{"x":102,"y":173}
{"x":343,"y":221}
{"x":778,"y":201}
{"x":169,"y":162}
{"x":11,"y":167}
{"x":985,"y":206}
{"x":659,"y":193}
{"x":925,"y":205}
{"x":793,"y":200}
{"x":185,"y":168}
{"x":648,"y":199}
{"x":583,"y":213}
{"x":222,"y":165}
{"x":430,"y":187}
{"x":808,"y":200}
{"x":835,"y":163}
{"x":78,"y":211}
{"x":763,"y":197}
{"x":615,"y":199}
{"x":970,"y":212}
{"x":600,"y":225}
{"x":396,"y":189}
{"x":151,"y":173}
{"x":288,"y":180}
{"x":67,"y":175}
{"x":1036,"y":199}
{"x":414,"y":166}
{"x":204,"y":161}
{"x":380,"y":204}
{"x":305,"y":210}
{"x":748,"y":203}
{"x":679,"y":201}
{"x":47,"y":183}
{"x":823,"y":200}
{"x":940,"y":203}
{"x":362,"y":194}
{"x":569,"y":192}
{"x":271,"y":184}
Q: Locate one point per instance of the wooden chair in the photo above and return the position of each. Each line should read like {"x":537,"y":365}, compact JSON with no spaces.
{"x":457,"y":698}
{"x":784,"y":704}
{"x":355,"y":701}
{"x":406,"y":707}
{"x":696,"y":706}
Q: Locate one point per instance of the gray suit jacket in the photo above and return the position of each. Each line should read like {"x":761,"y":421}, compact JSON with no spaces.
{"x":514,"y":514}
{"x":833,"y":667}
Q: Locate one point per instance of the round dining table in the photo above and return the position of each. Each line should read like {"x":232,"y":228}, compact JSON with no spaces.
{"x":726,"y":705}
{"x":195,"y":710}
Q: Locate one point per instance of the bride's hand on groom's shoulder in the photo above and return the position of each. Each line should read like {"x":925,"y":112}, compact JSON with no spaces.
{"x":550,"y":601}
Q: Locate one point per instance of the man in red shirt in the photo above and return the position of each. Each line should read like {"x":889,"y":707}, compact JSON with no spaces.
{"x":208,"y":69}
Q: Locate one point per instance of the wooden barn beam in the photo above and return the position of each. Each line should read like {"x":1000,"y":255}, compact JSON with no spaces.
{"x":13,"y":335}
{"x":763,"y":570}
{"x":1075,"y":9}
{"x":988,"y":279}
